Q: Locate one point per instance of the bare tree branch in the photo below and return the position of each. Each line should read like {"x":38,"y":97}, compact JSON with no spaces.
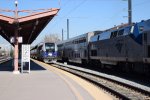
{"x":51,"y":38}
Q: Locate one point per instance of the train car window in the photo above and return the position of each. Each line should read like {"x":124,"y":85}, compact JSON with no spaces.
{"x":114,"y":34}
{"x":141,"y":28}
{"x":148,"y":51}
{"x":145,"y":37}
{"x":76,"y":41}
{"x":98,"y":37}
{"x":104,"y":35}
{"x":84,"y":39}
{"x":80,"y":41}
{"x":78,"y":55}
{"x":60,"y":45}
{"x":85,"y":53}
{"x":68,"y":43}
{"x":75,"y":55}
{"x":120,"y":32}
{"x":127,"y":30}
{"x":72,"y":42}
{"x":93,"y":52}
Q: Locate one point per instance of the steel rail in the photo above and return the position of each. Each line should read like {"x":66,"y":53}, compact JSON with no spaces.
{"x":116,"y":88}
{"x":4,"y":59}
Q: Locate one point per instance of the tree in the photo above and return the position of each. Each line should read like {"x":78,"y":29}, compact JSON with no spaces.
{"x":51,"y":38}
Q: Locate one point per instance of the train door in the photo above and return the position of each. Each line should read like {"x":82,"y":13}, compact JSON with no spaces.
{"x":146,"y":52}
{"x":146,"y":46}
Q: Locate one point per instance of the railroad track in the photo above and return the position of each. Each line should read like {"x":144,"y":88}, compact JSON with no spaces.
{"x":121,"y":90}
{"x":4,"y":59}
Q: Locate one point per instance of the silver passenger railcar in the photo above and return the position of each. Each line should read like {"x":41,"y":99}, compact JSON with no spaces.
{"x":75,"y":49}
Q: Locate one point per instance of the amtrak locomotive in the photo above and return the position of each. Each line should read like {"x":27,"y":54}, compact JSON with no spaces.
{"x":127,"y":46}
{"x":46,"y":52}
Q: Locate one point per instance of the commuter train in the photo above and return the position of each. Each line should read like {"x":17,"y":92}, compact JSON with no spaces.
{"x":4,"y":53}
{"x":46,"y":52}
{"x":127,"y":46}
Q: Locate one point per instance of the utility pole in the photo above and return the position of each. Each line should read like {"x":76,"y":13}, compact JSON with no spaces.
{"x":62,"y":34}
{"x":67,"y":28}
{"x":130,"y":12}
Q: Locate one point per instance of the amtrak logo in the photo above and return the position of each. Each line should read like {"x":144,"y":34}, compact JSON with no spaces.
{"x":119,"y":46}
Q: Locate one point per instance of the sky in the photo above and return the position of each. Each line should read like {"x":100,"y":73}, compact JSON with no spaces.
{"x":84,"y":15}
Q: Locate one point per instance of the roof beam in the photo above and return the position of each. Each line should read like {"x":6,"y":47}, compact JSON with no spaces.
{"x":7,"y":19}
{"x":38,"y":15}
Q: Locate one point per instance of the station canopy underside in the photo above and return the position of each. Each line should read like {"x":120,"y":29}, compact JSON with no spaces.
{"x":29,"y":27}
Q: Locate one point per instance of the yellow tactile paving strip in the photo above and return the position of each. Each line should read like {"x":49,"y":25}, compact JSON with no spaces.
{"x":95,"y":92}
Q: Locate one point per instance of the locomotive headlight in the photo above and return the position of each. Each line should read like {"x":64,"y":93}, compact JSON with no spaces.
{"x":141,"y":28}
{"x":50,"y":54}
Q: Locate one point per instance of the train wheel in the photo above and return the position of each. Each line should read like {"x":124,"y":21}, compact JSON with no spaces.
{"x":45,"y":60}
{"x":102,"y":66}
{"x":146,"y":69}
{"x":125,"y":67}
{"x":84,"y":62}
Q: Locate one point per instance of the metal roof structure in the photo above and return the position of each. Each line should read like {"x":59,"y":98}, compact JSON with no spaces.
{"x":29,"y":26}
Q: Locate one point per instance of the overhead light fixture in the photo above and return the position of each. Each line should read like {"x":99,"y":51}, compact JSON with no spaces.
{"x":16,"y":2}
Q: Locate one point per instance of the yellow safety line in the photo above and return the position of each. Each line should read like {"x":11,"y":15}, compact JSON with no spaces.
{"x":74,"y":90}
{"x":95,"y":92}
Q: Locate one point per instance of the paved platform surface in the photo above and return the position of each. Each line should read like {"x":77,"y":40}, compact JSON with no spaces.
{"x":40,"y":84}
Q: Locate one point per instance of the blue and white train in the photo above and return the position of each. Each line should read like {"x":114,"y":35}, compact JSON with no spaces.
{"x":46,"y":52}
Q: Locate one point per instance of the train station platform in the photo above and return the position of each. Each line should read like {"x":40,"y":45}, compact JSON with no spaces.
{"x":45,"y":83}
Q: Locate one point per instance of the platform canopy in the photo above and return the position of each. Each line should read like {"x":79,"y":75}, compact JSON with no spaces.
{"x":29,"y":26}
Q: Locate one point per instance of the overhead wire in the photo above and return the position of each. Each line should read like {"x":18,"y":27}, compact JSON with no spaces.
{"x":81,"y":3}
{"x":114,"y":16}
{"x":69,"y":12}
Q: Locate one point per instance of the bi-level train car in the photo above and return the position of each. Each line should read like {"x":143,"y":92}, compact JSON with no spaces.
{"x":75,"y":49}
{"x":46,"y":52}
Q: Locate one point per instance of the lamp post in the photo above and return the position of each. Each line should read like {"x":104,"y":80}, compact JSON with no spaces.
{"x":16,"y":22}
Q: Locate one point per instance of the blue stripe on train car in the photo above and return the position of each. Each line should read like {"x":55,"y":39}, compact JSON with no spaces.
{"x":53,"y":54}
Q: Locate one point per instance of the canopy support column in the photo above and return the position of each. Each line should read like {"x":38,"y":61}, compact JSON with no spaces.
{"x":16,"y":71}
{"x":16,"y":22}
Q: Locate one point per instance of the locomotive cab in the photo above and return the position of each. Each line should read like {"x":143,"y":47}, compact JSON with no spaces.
{"x":49,"y":52}
{"x":144,"y":28}
{"x":46,"y":52}
{"x":146,"y":46}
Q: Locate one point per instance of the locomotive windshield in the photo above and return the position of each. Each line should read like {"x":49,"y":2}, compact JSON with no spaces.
{"x":50,"y":47}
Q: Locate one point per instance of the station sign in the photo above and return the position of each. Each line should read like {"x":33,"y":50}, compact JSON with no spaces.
{"x":25,"y":57}
{"x":25,"y":53}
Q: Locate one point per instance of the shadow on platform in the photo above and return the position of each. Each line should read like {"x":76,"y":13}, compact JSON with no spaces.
{"x":8,"y":66}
